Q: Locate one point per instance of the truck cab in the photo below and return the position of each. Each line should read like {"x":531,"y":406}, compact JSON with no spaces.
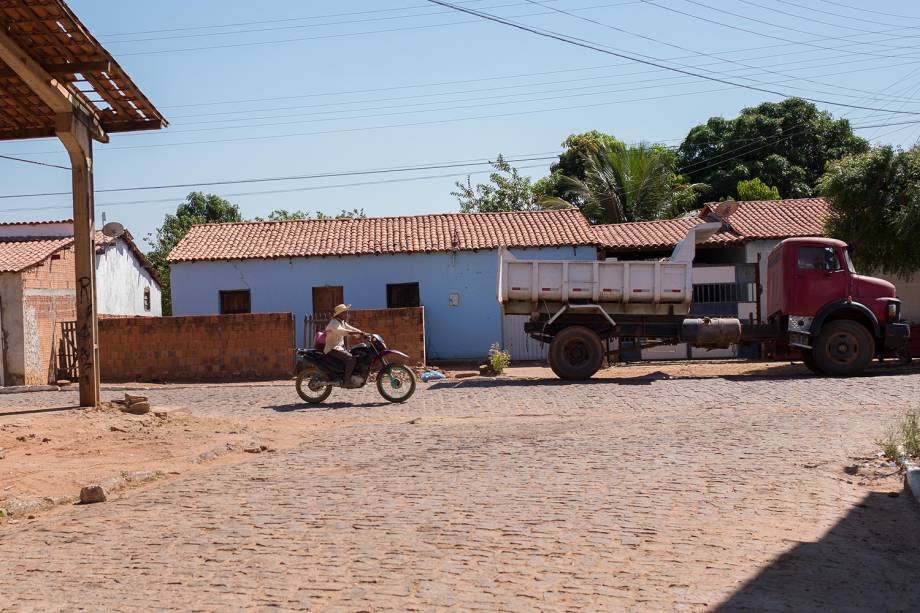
{"x":838,"y":319}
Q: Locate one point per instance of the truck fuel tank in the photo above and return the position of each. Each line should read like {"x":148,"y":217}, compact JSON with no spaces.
{"x":712,"y":332}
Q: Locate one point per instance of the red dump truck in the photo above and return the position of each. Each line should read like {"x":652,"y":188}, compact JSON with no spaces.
{"x":837,"y":319}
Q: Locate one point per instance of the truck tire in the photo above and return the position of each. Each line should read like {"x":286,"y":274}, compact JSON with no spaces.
{"x":808,"y":358}
{"x":844,"y":347}
{"x":576,"y":353}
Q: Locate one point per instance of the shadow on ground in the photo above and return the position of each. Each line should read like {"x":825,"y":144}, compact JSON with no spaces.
{"x":869,"y":561}
{"x":292,"y":407}
{"x":5,"y":413}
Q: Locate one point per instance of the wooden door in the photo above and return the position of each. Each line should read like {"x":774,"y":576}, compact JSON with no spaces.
{"x":326,"y":298}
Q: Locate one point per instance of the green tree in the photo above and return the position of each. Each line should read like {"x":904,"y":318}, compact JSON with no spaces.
{"x":506,"y":190}
{"x":577,"y":149}
{"x":352,"y":214}
{"x":198,"y":208}
{"x":629,"y":183}
{"x":755,"y":189}
{"x":286,"y":215}
{"x":786,"y":144}
{"x":875,"y":207}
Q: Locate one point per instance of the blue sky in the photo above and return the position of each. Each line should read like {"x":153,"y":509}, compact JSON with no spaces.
{"x":472,"y":88}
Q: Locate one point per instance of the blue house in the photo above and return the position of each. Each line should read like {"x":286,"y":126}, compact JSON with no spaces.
{"x":447,"y":263}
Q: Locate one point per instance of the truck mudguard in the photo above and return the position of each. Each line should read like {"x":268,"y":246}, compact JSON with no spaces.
{"x":838,"y":306}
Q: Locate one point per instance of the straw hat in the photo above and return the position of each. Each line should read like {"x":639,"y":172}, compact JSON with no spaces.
{"x":340,"y":309}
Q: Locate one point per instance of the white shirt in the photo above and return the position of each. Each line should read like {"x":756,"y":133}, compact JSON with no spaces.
{"x":336,"y":332}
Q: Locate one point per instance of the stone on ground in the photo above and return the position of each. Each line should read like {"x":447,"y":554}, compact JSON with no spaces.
{"x":93,"y":493}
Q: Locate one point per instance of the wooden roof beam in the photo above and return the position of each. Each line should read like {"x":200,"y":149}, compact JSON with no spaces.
{"x":65,"y":69}
{"x":52,"y":92}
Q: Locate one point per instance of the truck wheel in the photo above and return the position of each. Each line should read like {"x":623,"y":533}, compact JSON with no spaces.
{"x":808,"y":358}
{"x":843,"y":348}
{"x":576,"y":353}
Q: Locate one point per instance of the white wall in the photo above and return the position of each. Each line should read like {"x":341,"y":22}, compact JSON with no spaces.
{"x":763,"y":248}
{"x":909,"y":293}
{"x":50,"y":230}
{"x":120,"y":283}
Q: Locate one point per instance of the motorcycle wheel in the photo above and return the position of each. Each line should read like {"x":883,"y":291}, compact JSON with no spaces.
{"x":309,"y":395}
{"x":396,"y":383}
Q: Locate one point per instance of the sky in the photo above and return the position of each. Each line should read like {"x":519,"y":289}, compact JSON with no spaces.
{"x":286,"y":88}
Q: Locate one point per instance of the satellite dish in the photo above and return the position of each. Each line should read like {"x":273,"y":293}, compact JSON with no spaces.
{"x":726,"y":209}
{"x":113,"y":229}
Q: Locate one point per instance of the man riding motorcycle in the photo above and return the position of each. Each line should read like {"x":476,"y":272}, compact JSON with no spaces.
{"x":336,"y":333}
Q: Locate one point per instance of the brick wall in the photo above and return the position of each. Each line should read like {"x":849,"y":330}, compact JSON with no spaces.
{"x":41,"y":315}
{"x":402,"y":329}
{"x":251,"y":347}
{"x":56,"y":272}
{"x":47,"y":300}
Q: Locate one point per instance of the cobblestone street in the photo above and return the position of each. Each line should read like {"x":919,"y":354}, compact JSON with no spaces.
{"x":645,"y":493}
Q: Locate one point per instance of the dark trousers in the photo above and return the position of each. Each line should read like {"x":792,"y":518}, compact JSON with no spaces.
{"x":347,"y":359}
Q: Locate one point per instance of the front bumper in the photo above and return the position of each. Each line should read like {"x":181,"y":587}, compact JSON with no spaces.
{"x":895,"y":337}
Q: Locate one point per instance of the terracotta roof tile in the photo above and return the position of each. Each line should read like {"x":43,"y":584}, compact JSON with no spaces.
{"x":661,"y":234}
{"x":762,"y":219}
{"x":17,"y":255}
{"x":382,"y":235}
{"x":753,"y":220}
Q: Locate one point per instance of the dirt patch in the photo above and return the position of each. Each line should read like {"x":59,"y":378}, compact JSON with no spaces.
{"x":46,"y":457}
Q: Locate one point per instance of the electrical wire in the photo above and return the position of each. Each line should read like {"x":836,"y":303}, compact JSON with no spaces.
{"x":262,"y":192}
{"x":762,"y":22}
{"x":323,"y":175}
{"x":588,"y":45}
{"x":865,"y":10}
{"x":16,"y":159}
{"x":694,"y":51}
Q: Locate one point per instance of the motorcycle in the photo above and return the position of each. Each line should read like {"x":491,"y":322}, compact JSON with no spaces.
{"x":318,"y":373}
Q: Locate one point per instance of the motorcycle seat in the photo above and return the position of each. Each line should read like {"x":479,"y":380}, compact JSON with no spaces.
{"x":327,"y":361}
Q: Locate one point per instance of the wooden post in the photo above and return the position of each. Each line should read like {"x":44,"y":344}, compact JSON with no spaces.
{"x":75,"y":133}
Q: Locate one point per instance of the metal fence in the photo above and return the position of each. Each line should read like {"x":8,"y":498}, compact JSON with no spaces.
{"x":706,"y":293}
{"x":313,"y":324}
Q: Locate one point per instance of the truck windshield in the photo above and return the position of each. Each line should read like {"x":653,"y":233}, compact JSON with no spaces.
{"x":849,"y":261}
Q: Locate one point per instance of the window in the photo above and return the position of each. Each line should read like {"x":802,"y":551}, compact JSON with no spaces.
{"x":146,"y":298}
{"x":818,"y":258}
{"x":235,"y":301}
{"x":401,"y":295}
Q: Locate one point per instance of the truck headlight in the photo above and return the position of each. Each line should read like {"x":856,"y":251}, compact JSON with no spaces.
{"x":894,"y":309}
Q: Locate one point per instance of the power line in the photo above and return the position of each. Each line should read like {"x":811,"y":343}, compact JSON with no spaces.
{"x":700,"y":53}
{"x":521,"y":75}
{"x":328,"y":36}
{"x":809,"y":19}
{"x":16,"y":159}
{"x":762,"y":22}
{"x":820,"y":12}
{"x":865,"y":10}
{"x":323,"y":175}
{"x":331,"y":23}
{"x":263,"y":192}
{"x":592,"y":46}
{"x":490,"y":101}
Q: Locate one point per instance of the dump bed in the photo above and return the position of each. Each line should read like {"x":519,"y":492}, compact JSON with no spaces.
{"x":528,"y":286}
{"x":598,"y":282}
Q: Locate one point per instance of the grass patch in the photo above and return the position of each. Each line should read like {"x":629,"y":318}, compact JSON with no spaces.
{"x":499,"y":360}
{"x":903,"y":436}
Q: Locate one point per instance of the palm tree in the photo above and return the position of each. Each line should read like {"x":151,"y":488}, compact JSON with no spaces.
{"x":625,"y":182}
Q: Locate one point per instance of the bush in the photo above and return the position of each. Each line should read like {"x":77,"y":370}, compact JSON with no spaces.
{"x":499,"y":360}
{"x":902,"y":437}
